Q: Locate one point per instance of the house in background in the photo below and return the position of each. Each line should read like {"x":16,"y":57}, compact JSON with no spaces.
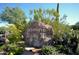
{"x":38,"y":34}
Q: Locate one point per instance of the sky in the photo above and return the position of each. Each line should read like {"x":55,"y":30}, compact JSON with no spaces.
{"x":69,"y":9}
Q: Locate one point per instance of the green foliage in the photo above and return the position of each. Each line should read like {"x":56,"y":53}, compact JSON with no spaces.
{"x":14,"y":49}
{"x":37,"y":14}
{"x":14,"y":34}
{"x":2,"y":48}
{"x":76,"y":26}
{"x":43,"y":14}
{"x":49,"y":50}
{"x":59,"y":29}
{"x":62,"y":49}
{"x":17,"y":20}
{"x":14,"y":16}
{"x":2,"y":29}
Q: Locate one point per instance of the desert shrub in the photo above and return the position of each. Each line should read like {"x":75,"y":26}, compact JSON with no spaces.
{"x":49,"y":50}
{"x":13,"y":49}
{"x":2,"y":48}
{"x":59,"y":29}
{"x":63,"y":49}
{"x":14,"y":34}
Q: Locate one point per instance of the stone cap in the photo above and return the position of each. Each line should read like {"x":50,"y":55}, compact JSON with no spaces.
{"x":32,"y":49}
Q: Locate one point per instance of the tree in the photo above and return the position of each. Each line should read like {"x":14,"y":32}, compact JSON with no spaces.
{"x":76,"y":26}
{"x":14,"y":33}
{"x":14,"y":16}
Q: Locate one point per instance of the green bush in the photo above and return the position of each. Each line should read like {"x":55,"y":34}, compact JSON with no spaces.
{"x":63,"y":49}
{"x":2,"y":48}
{"x":49,"y":50}
{"x":15,"y":51}
{"x":14,"y":35}
{"x":12,"y":49}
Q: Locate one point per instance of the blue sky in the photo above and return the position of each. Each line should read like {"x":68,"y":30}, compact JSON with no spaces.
{"x":70,"y":9}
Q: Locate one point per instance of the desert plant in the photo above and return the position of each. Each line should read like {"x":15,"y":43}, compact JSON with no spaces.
{"x":13,"y":49}
{"x":49,"y":50}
